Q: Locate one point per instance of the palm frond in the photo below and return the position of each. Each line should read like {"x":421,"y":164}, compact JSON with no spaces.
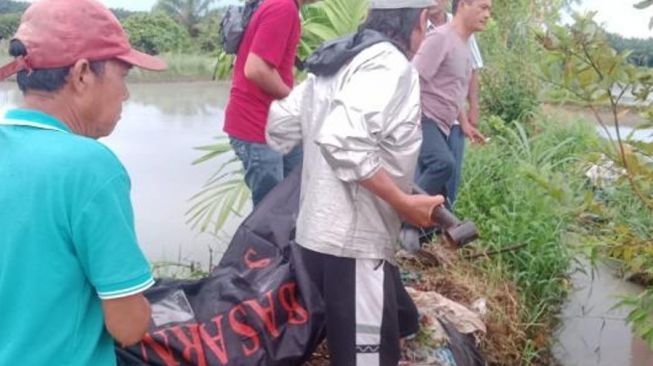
{"x":223,"y":195}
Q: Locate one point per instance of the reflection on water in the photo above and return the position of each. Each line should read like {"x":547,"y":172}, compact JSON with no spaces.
{"x":593,"y":333}
{"x":160,"y":126}
{"x":645,"y":135}
{"x":187,"y":99}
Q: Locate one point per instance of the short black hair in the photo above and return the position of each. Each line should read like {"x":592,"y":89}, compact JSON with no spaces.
{"x":49,"y":80}
{"x":396,"y":24}
{"x":454,"y":6}
{"x":456,"y":3}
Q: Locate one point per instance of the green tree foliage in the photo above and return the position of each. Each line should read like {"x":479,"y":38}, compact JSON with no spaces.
{"x":641,"y":50}
{"x":188,"y":13}
{"x":509,"y":86}
{"x":8,"y":25}
{"x":156,"y":33}
{"x":7,"y":6}
{"x":121,"y":13}
{"x":580,"y":60}
{"x":208,"y":29}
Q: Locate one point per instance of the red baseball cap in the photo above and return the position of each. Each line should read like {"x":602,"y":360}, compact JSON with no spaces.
{"x":58,"y":33}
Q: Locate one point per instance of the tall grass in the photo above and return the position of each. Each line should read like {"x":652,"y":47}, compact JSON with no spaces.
{"x":181,"y":67}
{"x":525,"y":189}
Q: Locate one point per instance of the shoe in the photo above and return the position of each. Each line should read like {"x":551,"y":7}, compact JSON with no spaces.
{"x":409,"y":238}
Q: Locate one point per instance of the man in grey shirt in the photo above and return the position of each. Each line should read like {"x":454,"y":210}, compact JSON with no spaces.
{"x":438,"y":16}
{"x":445,"y":64}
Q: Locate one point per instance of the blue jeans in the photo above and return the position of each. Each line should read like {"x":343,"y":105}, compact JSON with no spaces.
{"x":436,"y":163}
{"x":264,"y":167}
{"x":456,"y":144}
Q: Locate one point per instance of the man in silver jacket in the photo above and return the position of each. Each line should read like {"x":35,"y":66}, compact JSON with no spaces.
{"x":358,"y":118}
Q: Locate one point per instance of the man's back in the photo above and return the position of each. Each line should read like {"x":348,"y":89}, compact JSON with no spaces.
{"x":272,"y":34}
{"x":372,"y":100}
{"x":61,"y":243}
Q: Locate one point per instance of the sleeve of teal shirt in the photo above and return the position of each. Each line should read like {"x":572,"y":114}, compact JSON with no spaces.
{"x":105,"y":240}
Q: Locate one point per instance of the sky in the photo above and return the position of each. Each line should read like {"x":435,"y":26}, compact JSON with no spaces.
{"x":618,"y":16}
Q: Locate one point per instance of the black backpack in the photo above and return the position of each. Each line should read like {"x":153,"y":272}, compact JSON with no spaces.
{"x":234,"y":23}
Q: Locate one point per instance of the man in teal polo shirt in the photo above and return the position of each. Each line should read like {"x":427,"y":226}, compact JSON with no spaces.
{"x":71,"y":272}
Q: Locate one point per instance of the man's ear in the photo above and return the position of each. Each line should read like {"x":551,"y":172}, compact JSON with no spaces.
{"x":423,"y":20}
{"x":80,"y":75}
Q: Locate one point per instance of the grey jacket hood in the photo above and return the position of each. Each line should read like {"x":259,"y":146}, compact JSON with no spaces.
{"x":333,"y":55}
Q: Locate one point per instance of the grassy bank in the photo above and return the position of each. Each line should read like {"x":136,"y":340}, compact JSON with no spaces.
{"x":181,"y":67}
{"x":525,"y":190}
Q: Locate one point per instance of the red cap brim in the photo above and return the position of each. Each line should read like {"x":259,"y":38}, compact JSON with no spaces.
{"x":143,"y":60}
{"x":9,"y":69}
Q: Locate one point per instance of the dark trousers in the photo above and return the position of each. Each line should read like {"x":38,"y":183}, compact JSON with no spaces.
{"x":456,"y":142}
{"x":367,"y":309}
{"x":436,"y":163}
{"x":264,"y":167}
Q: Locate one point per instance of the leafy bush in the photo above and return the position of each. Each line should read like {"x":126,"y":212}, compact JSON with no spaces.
{"x":509,"y":89}
{"x":641,"y":50}
{"x":207,"y":39}
{"x":8,"y":25}
{"x":122,"y":14}
{"x":509,"y":86}
{"x":156,"y":33}
{"x":187,"y":13}
{"x":13,"y":7}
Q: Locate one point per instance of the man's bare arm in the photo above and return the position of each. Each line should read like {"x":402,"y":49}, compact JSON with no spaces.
{"x":414,"y":209}
{"x":265,"y":76}
{"x":127,"y":318}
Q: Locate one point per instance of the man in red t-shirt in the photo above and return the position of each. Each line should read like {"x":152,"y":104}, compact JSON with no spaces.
{"x":263,"y":73}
